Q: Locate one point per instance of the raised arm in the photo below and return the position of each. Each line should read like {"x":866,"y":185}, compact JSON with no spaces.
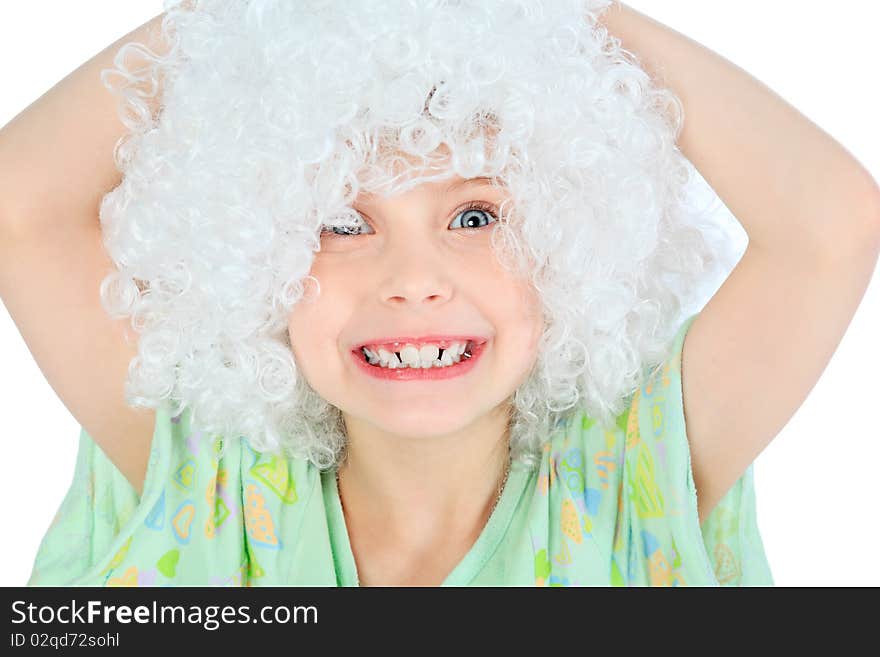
{"x":786,"y":181}
{"x":812,"y":214}
{"x":56,"y":163}
{"x":56,"y":156}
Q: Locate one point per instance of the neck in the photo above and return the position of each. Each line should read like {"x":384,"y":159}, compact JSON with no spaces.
{"x":417,"y":491}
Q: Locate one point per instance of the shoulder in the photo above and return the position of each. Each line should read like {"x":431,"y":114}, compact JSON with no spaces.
{"x":618,"y":504}
{"x":210,"y":507}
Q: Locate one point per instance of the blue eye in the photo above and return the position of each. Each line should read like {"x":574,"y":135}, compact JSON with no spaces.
{"x":472,"y":213}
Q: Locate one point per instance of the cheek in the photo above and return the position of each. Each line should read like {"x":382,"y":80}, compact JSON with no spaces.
{"x":304,"y":321}
{"x":530,"y":311}
{"x":532,"y":323}
{"x":519,"y":319}
{"x":317,"y":321}
{"x":296,"y":335}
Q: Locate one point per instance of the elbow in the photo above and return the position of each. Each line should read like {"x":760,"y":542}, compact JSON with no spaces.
{"x":852,"y":228}
{"x":870,"y":204}
{"x":874,"y":224}
{"x":872,"y":220}
{"x":864,"y":214}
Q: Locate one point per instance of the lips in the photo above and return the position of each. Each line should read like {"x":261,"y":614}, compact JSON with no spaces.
{"x":462,"y":368}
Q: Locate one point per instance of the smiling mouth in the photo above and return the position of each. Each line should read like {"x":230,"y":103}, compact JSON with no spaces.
{"x":418,"y":363}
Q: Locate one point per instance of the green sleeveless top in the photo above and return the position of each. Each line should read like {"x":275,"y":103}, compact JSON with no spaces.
{"x":616,"y":508}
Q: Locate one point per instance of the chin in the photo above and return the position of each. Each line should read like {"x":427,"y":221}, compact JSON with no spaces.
{"x":424,"y":426}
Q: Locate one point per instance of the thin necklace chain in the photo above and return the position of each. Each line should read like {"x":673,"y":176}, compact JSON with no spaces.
{"x":501,"y":487}
{"x":495,"y":504}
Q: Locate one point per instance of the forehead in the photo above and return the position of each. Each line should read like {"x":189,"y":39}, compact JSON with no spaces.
{"x":434,"y":176}
{"x":451,"y":185}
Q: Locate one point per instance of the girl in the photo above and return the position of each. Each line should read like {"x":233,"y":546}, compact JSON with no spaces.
{"x":394,"y":302}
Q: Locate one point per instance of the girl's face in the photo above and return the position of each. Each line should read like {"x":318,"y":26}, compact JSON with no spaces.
{"x":419,"y":264}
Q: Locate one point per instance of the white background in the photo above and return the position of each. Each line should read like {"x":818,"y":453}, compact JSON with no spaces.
{"x":815,"y":482}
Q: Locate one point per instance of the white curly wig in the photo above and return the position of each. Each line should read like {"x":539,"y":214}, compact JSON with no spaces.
{"x":275,"y":113}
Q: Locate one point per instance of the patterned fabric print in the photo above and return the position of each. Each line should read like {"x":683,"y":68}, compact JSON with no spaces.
{"x":732,"y":550}
{"x":187,"y":529}
{"x":625,"y":498}
{"x":572,"y":511}
{"x":180,"y":521}
{"x":612,"y":507}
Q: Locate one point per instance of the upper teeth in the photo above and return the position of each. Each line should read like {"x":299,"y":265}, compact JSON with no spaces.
{"x":412,"y":356}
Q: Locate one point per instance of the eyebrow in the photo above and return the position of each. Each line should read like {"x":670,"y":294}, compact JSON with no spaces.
{"x":479,"y":180}
{"x":482,"y":180}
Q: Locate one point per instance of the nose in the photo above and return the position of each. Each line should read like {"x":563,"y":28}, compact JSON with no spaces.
{"x":415,"y":275}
